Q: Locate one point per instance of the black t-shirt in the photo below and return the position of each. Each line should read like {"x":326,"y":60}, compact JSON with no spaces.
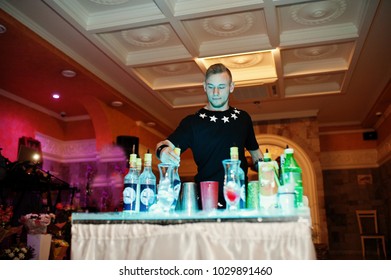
{"x":210,"y":135}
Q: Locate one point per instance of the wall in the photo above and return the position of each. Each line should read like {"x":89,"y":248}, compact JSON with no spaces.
{"x":357,"y":175}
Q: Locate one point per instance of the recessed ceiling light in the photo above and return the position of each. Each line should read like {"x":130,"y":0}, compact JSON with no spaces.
{"x":116,"y":103}
{"x":68,"y":73}
{"x":3,"y":29}
{"x":56,"y":95}
{"x":151,"y":124}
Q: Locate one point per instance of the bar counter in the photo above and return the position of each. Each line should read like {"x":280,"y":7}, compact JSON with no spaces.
{"x":217,"y":235}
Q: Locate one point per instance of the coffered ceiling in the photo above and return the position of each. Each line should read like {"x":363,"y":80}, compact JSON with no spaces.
{"x":289,"y":58}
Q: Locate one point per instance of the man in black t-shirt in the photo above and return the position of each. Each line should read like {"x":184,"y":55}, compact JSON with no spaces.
{"x":212,"y":130}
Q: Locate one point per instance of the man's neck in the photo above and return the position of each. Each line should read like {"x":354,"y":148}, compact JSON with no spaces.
{"x":211,"y":108}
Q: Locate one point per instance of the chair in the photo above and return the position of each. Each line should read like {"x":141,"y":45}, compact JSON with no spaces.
{"x":367,"y":223}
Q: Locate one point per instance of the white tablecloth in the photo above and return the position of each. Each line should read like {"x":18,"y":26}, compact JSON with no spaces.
{"x":193,"y":241}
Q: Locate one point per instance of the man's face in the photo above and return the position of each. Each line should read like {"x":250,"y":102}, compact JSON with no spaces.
{"x":217,"y":88}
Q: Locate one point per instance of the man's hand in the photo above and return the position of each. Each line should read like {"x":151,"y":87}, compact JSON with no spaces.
{"x":166,"y":152}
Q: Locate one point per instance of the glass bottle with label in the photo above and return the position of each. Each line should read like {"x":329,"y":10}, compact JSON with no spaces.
{"x":130,"y":186}
{"x":147,"y":185}
{"x":234,"y":152}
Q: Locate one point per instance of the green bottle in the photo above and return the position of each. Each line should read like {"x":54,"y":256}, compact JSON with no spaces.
{"x":292,"y":177}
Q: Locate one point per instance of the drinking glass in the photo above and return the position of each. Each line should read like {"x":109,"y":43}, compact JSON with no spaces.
{"x":231,"y":188}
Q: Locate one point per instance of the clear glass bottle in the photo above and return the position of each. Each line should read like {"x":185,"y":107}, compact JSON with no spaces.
{"x":176,"y":181}
{"x":147,"y":185}
{"x":234,"y":152}
{"x":130,"y":186}
{"x":292,"y":175}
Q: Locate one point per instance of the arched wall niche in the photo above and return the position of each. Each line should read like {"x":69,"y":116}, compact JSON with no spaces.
{"x":276,"y":145}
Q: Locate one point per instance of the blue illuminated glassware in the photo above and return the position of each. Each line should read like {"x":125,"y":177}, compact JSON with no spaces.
{"x":231,"y":187}
{"x":165,"y":191}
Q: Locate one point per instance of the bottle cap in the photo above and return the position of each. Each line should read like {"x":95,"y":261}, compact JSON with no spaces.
{"x":177,"y":151}
{"x":289,"y":151}
{"x":267,"y":155}
{"x":148,"y":157}
{"x":138,"y":163}
{"x":234,"y":152}
{"x":132,"y":157}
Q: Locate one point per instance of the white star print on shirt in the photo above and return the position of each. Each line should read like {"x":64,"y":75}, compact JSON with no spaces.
{"x":225,"y":119}
{"x":213,"y":119}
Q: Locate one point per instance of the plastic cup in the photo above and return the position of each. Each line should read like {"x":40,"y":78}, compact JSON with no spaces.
{"x":209,"y":195}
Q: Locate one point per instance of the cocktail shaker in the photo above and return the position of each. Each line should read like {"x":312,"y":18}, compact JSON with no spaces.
{"x":188,"y":200}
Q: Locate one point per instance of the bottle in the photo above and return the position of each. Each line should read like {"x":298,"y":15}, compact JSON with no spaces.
{"x":130,"y":186}
{"x":234,"y":152}
{"x":176,"y":180}
{"x":292,"y":176}
{"x":267,"y":158}
{"x":147,"y":185}
{"x":268,"y":182}
{"x":282,"y":160}
{"x":138,"y":167}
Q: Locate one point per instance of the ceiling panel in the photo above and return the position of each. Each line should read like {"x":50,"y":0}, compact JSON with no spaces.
{"x":155,"y":52}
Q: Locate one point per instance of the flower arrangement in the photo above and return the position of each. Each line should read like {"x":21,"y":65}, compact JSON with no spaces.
{"x":37,"y":223}
{"x":17,"y":253}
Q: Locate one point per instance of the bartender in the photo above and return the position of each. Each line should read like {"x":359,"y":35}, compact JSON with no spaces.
{"x":211,"y":131}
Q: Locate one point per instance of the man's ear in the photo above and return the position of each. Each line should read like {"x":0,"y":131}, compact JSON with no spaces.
{"x":231,"y":87}
{"x":204,"y":84}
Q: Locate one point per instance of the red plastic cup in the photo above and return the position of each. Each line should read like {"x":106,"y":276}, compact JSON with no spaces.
{"x":209,"y":195}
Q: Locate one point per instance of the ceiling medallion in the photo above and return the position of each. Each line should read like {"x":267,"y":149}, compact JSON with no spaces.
{"x":147,"y":37}
{"x":312,"y":79}
{"x":315,"y":52}
{"x":241,"y":61}
{"x":109,"y":2}
{"x":228,"y":25}
{"x":172,"y":69}
{"x":318,"y":12}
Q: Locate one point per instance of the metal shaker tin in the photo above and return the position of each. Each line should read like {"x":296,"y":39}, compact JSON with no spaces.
{"x":188,"y":198}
